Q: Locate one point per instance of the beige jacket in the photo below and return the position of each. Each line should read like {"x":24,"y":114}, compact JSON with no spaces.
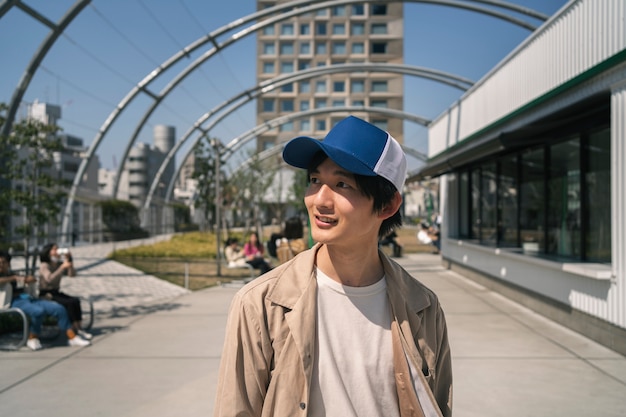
{"x":268,"y":354}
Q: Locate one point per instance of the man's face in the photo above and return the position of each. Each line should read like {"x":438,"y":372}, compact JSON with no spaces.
{"x":340,"y":214}
{"x":5,"y":266}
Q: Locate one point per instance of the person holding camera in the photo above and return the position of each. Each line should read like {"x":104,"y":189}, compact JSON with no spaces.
{"x":56,"y":262}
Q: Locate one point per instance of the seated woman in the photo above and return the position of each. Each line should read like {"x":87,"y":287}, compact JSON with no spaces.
{"x":35,"y":309}
{"x":293,"y":241}
{"x":234,"y":255}
{"x":253,"y":251}
{"x":51,"y":270}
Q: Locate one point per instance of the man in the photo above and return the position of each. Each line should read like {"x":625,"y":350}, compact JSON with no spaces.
{"x":428,"y":236}
{"x":340,"y":330}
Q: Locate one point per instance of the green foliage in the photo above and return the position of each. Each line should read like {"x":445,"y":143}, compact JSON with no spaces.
{"x":298,"y":189}
{"x":204,"y":172}
{"x":31,"y":187}
{"x":187,"y":245}
{"x":121,"y":220}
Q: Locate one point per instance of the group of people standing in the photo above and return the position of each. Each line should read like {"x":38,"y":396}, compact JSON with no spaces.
{"x":47,"y":299}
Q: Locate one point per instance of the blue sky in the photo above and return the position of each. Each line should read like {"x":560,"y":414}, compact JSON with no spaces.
{"x":114,"y":44}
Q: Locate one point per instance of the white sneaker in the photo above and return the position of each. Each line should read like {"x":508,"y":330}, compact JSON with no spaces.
{"x":78,"y":341}
{"x":34,"y":344}
{"x":85,"y":335}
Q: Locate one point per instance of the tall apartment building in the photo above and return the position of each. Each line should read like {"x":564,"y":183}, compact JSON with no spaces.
{"x":341,"y":34}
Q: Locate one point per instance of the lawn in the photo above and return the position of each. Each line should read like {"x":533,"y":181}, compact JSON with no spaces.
{"x":189,"y":259}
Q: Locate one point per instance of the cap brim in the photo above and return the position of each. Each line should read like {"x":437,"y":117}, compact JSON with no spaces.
{"x":299,"y":152}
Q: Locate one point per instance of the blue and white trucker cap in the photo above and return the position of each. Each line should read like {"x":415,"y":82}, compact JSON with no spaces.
{"x":356,"y":146}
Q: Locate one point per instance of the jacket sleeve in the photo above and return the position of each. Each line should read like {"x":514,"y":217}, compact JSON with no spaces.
{"x":442,"y":388}
{"x":49,"y":279}
{"x":245,"y":363}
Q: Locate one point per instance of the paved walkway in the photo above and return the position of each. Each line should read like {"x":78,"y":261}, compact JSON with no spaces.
{"x":157,"y":348}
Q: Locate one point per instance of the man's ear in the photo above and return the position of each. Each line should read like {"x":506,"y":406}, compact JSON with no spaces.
{"x":392,"y":207}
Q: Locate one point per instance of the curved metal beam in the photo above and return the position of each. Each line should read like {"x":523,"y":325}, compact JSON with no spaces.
{"x":270,"y":85}
{"x":33,"y":65}
{"x":243,"y":33}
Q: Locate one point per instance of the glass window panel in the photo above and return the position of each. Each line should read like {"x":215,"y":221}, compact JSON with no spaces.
{"x":379,"y":47}
{"x":379,"y":9}
{"x":379,"y":103}
{"x":304,"y":64}
{"x":287,"y":88}
{"x":507,"y":202}
{"x":358,"y":48}
{"x":320,"y":86}
{"x":320,"y":103}
{"x":357,"y":86}
{"x":564,"y":199}
{"x":268,"y":67}
{"x":286,"y":67}
{"x":320,"y":124}
{"x":305,"y":105}
{"x":339,"y":86}
{"x":268,"y":105}
{"x":339,"y":103}
{"x":339,"y":11}
{"x":286,"y":105}
{"x":269,"y":48}
{"x":475,"y":208}
{"x":320,"y":28}
{"x":320,"y":48}
{"x":357,"y":28}
{"x":378,"y":29}
{"x":286,"y":29}
{"x":269,"y":30}
{"x":339,"y":48}
{"x":339,"y":29}
{"x":305,"y":125}
{"x":598,"y":186}
{"x":286,"y":48}
{"x":532,"y":196}
{"x":305,"y":29}
{"x":286,"y":127}
{"x":464,"y":207}
{"x":305,"y":87}
{"x":358,"y":10}
{"x":358,"y":102}
{"x":379,"y":86}
{"x":305,"y":48}
{"x":488,"y":208}
{"x":380,"y":123}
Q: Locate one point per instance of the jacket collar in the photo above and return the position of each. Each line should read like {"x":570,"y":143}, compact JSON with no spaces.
{"x":295,"y":276}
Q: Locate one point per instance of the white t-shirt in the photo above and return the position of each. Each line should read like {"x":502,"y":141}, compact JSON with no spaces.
{"x":353,"y":371}
{"x":423,"y":237}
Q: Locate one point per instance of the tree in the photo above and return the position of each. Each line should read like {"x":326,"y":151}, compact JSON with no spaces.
{"x":121,"y":220}
{"x":31,"y":185}
{"x":204,"y":173}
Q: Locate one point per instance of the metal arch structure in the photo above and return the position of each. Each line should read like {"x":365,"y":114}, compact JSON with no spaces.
{"x":158,"y":98}
{"x":269,"y":85}
{"x":308,"y":6}
{"x":33,"y":65}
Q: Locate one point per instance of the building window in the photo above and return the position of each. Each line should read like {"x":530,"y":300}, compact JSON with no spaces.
{"x":305,"y":48}
{"x":320,"y":103}
{"x":357,"y":28}
{"x":268,"y":105}
{"x":305,"y":29}
{"x":379,"y":123}
{"x":269,"y":48}
{"x":339,"y":48}
{"x":286,"y":127}
{"x":305,"y":105}
{"x":379,"y":103}
{"x":321,"y":13}
{"x":320,"y":48}
{"x":286,"y":29}
{"x":304,"y":64}
{"x":358,"y":10}
{"x":379,"y":10}
{"x":339,"y":86}
{"x":269,"y":30}
{"x":286,"y":105}
{"x":379,"y":86}
{"x":553,"y":200}
{"x":339,"y":29}
{"x":305,"y":125}
{"x":357,"y":86}
{"x":339,"y":103}
{"x":378,"y":29}
{"x":320,"y":28}
{"x":379,"y":47}
{"x":338,"y":11}
{"x":358,"y":48}
{"x":320,"y":124}
{"x":305,"y":87}
{"x":358,"y":103}
{"x":320,"y":86}
{"x":268,"y":68}
{"x":286,"y":67}
{"x":287,"y":88}
{"x":286,"y":48}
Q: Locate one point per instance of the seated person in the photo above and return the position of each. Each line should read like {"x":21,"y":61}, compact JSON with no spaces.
{"x":427,"y":236}
{"x":36,"y":309}
{"x":390,"y":239}
{"x":253,"y":251}
{"x":292,"y":242}
{"x":234,"y":255}
{"x":53,"y":265}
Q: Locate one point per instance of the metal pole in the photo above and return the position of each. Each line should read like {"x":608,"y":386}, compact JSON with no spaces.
{"x":218,"y":203}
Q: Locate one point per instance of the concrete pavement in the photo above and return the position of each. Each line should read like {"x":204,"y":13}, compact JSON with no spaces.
{"x":157,"y":347}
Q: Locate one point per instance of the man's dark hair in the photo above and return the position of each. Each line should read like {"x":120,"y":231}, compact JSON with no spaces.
{"x":44,"y":255}
{"x":377,"y":188}
{"x":6,"y":255}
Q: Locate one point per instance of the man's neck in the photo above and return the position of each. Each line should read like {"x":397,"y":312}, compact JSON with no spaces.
{"x":353,"y":268}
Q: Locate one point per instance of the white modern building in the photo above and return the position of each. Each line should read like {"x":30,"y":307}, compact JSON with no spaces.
{"x":532,"y":167}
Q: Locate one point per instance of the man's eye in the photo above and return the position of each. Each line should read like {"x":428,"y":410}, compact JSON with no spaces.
{"x":342,"y":184}
{"x":313,"y":180}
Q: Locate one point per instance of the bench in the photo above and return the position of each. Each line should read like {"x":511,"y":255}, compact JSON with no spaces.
{"x":10,"y":320}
